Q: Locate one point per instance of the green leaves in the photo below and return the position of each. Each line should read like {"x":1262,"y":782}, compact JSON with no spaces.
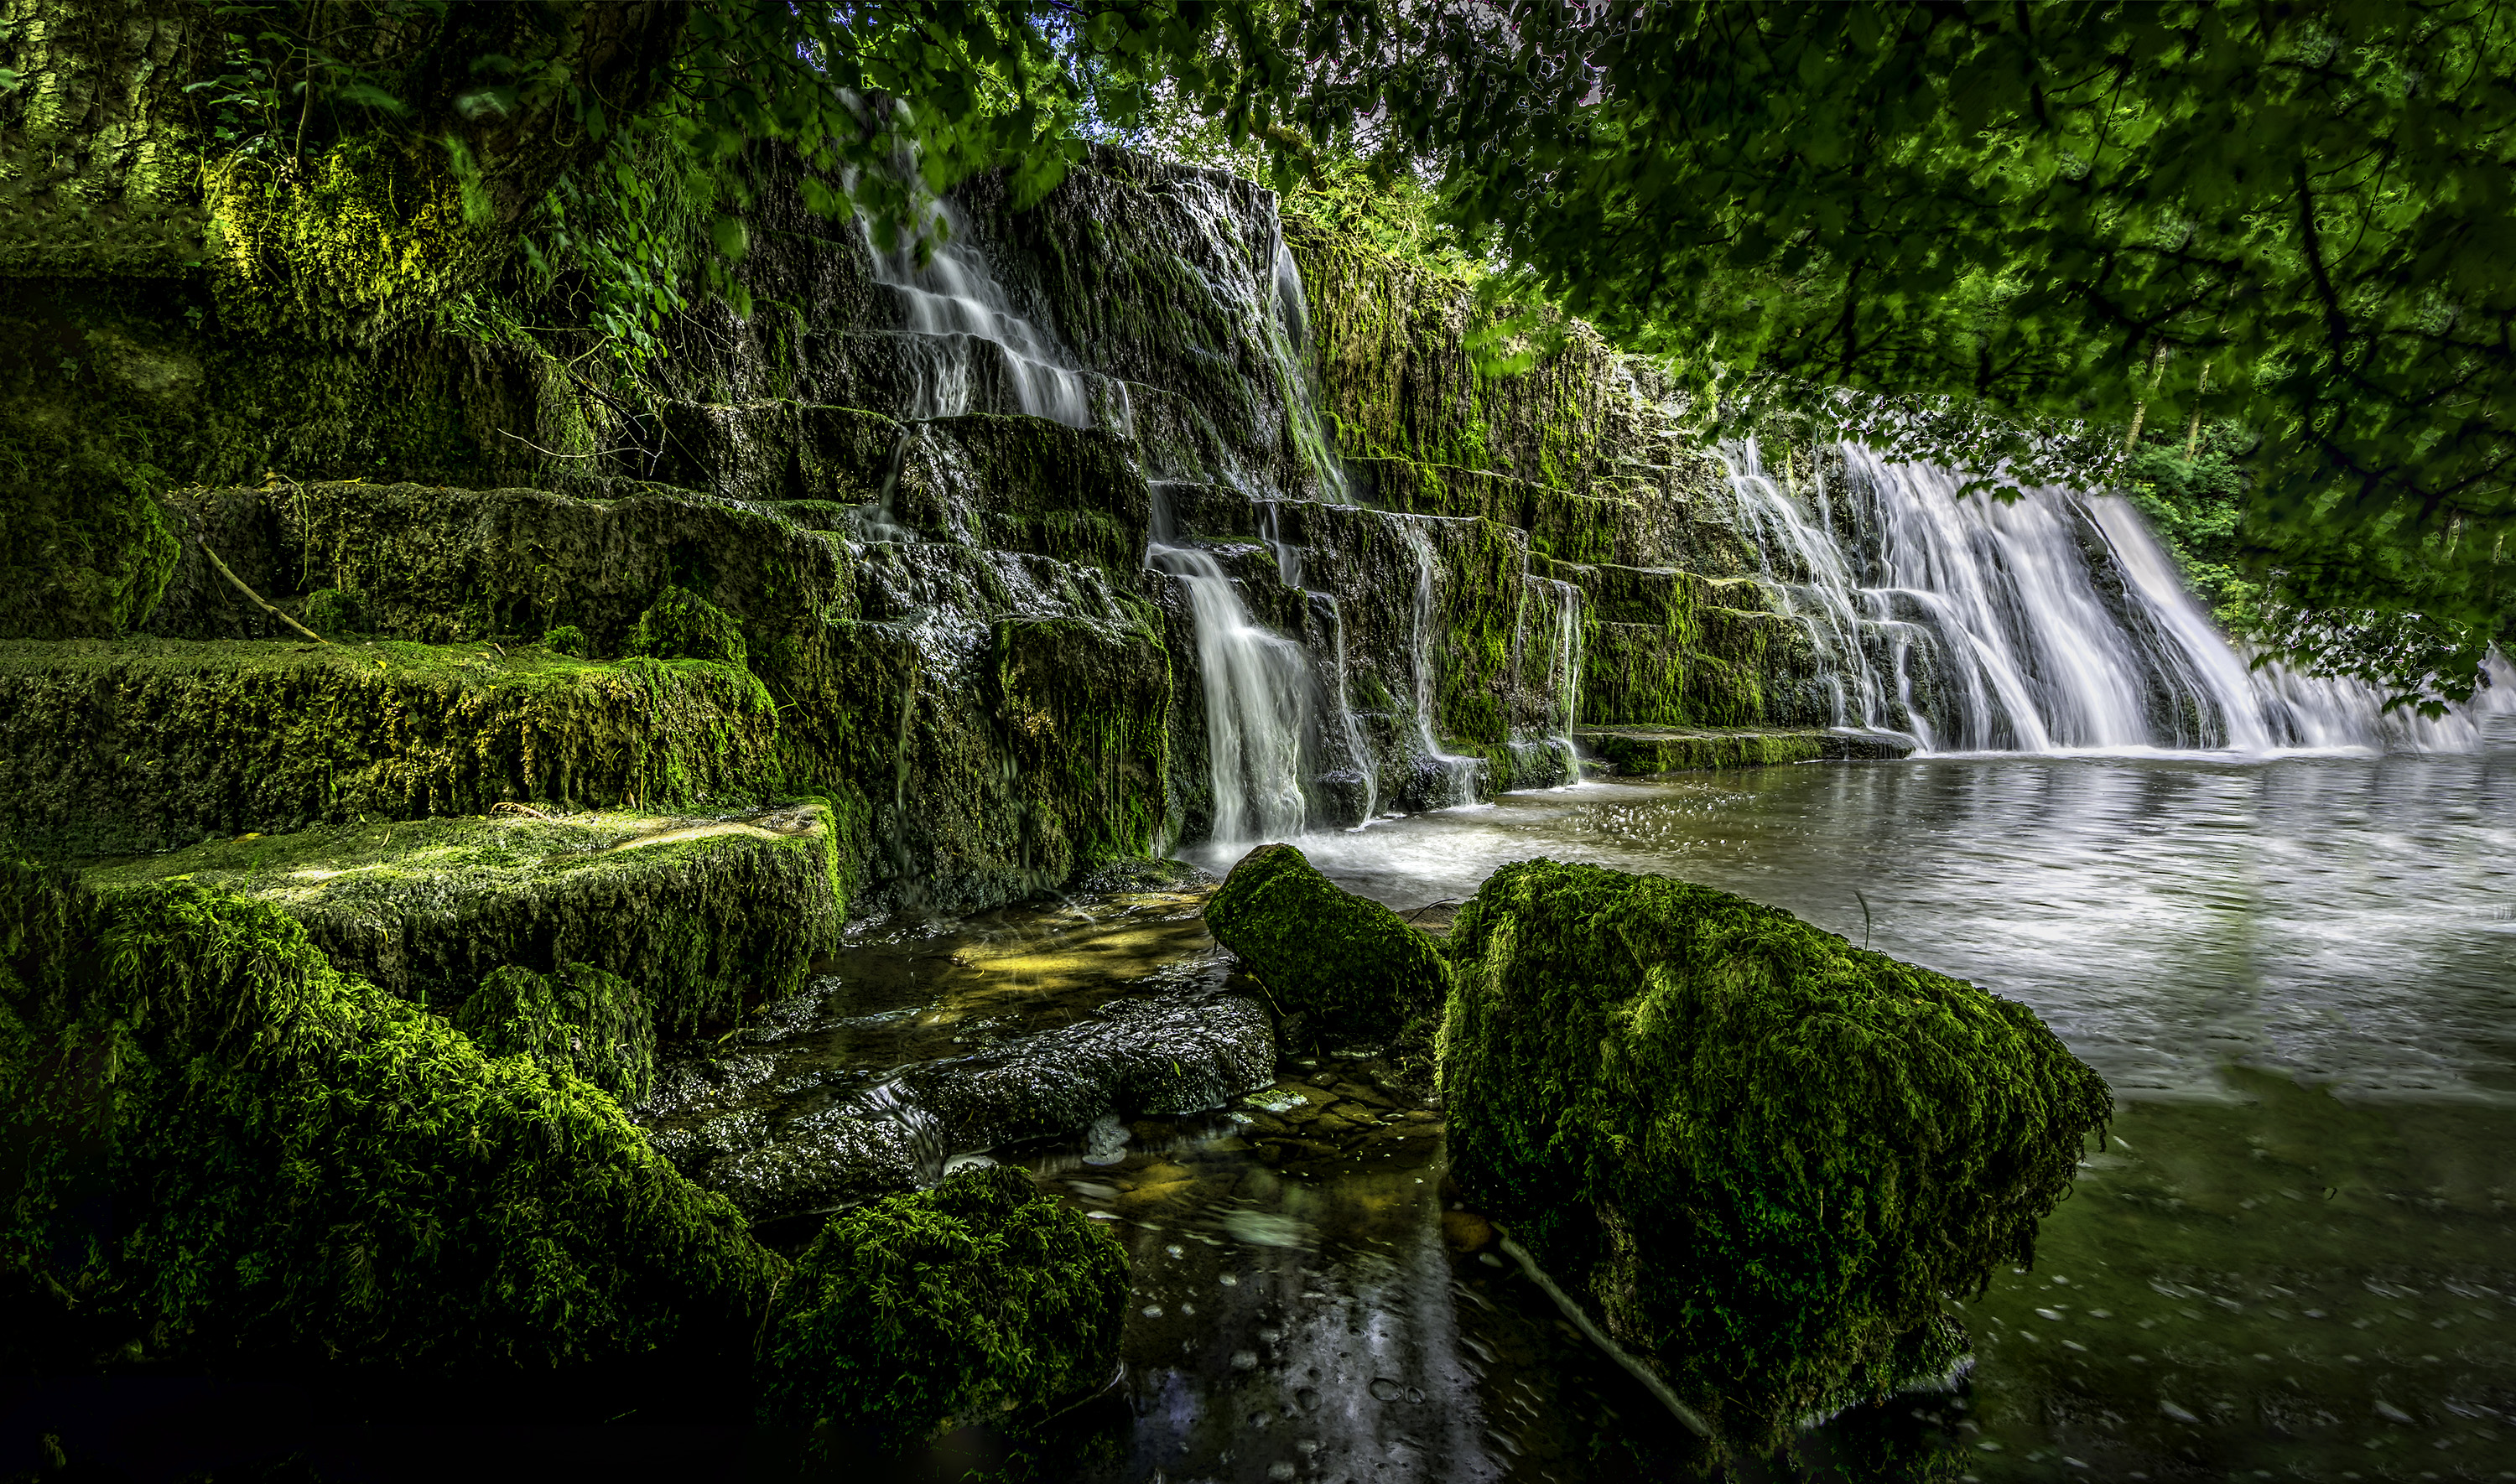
{"x":2019,"y":206}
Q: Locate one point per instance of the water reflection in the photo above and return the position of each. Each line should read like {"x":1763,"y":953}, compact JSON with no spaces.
{"x":2293,"y":1259}
{"x":2344,"y":919}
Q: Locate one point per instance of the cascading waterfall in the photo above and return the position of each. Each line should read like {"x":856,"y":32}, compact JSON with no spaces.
{"x":1568,"y":662}
{"x":1451,"y":780}
{"x":2054,"y":623}
{"x":1258,"y":711}
{"x":958,"y":325}
{"x":1291,"y":344}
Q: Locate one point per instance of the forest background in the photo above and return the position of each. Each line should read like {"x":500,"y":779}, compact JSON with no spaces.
{"x":2246,"y":262}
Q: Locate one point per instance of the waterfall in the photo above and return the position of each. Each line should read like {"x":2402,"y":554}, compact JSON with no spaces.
{"x":1290,"y":343}
{"x":958,"y":327}
{"x":2054,"y":623}
{"x":1448,"y":781}
{"x":1566,"y":674}
{"x":1257,"y":690}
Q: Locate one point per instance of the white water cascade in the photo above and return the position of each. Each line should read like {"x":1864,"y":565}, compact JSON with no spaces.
{"x":961,"y":337}
{"x":1451,"y":781}
{"x":1258,"y":705}
{"x":2052,"y":624}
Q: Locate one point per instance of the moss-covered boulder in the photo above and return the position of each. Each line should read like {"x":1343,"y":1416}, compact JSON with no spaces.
{"x":1350,"y":968}
{"x":1762,"y":1157}
{"x":148,"y":744}
{"x":588,"y":1021}
{"x":978,"y":1299}
{"x":212,"y":1140}
{"x":701,"y":916}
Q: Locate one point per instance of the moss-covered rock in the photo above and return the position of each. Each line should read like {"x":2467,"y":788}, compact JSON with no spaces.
{"x":587,"y":1021}
{"x":1764,"y":1158}
{"x":978,"y":1299}
{"x":145,"y":743}
{"x":681,"y":625}
{"x":703,"y":917}
{"x":212,"y":1140}
{"x":1353,"y":968}
{"x":451,"y":565}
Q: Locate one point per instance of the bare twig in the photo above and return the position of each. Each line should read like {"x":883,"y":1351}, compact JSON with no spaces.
{"x":259,"y":600}
{"x":556,"y":454}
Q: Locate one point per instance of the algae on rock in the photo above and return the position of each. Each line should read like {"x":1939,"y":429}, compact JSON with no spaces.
{"x":147,"y":744}
{"x":216,"y":1141}
{"x":1764,"y":1158}
{"x":701,"y":917}
{"x":980,"y":1297}
{"x":1354,"y":968}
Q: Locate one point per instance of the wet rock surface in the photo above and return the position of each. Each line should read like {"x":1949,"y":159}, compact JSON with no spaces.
{"x":936,"y":1040}
{"x":1350,"y":968}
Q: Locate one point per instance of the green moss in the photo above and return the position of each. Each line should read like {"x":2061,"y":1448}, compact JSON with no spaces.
{"x":587,"y":1022}
{"x":330,"y":612}
{"x":568,"y":640}
{"x":681,"y":625}
{"x":1641,"y":753}
{"x":367,"y":236}
{"x":1084,"y":711}
{"x":148,"y":744}
{"x":703,"y":917}
{"x":977,"y":1298}
{"x":215,"y":1141}
{"x":1763,"y":1156}
{"x":1350,"y":967}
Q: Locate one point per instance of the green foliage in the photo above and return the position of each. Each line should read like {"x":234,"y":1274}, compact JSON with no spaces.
{"x":587,"y":1022}
{"x":215,"y":1141}
{"x":568,"y":640}
{"x":1354,"y":968}
{"x":978,"y":1299}
{"x":331,"y":612}
{"x":2050,"y":213}
{"x":681,"y":625}
{"x":1763,"y":1156}
{"x":2195,"y":505}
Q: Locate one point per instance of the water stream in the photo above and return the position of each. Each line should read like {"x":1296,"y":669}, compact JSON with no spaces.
{"x":962,"y":334}
{"x":2053,"y":623}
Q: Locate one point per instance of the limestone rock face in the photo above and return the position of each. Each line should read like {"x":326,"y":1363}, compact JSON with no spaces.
{"x":975,"y":1299}
{"x":1350,"y":966}
{"x":1762,"y":1157}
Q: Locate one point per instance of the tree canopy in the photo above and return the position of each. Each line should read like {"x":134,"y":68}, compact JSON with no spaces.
{"x":2295,"y":216}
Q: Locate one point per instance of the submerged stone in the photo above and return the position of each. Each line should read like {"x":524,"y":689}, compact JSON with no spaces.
{"x":1353,"y":968}
{"x":701,"y":917}
{"x":978,"y":1299}
{"x":1764,"y":1159}
{"x":219,"y":1143}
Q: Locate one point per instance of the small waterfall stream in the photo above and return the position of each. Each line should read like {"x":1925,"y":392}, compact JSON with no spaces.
{"x":1258,"y":705}
{"x":959,"y":326}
